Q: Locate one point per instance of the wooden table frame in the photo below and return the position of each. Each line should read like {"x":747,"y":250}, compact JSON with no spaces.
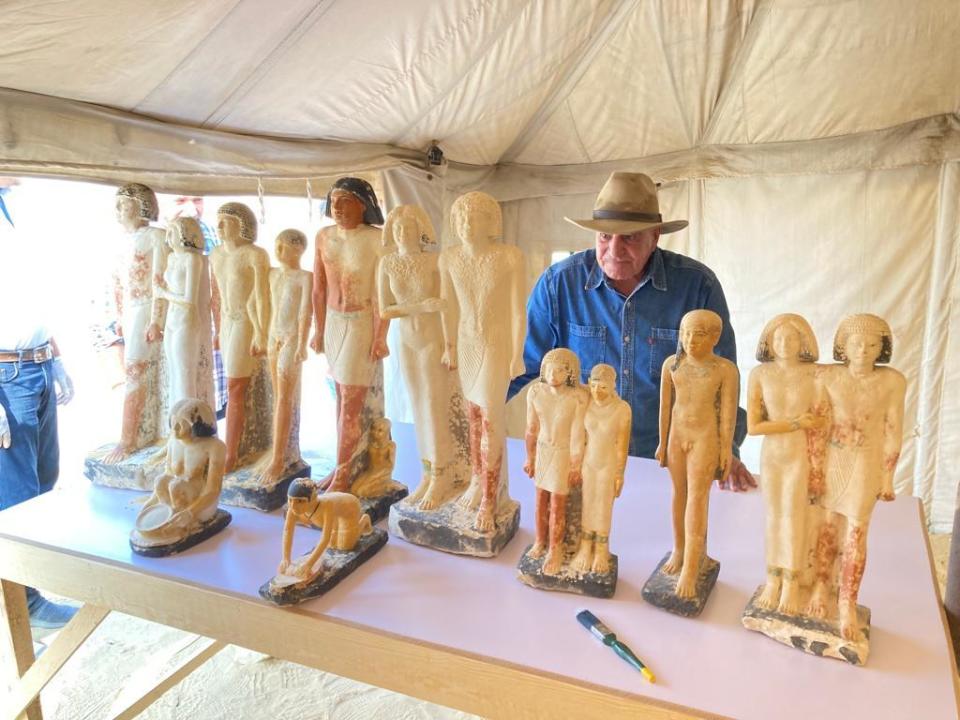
{"x":468,"y":682}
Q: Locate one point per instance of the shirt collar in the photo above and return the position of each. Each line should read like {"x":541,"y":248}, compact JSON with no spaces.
{"x":656,"y":274}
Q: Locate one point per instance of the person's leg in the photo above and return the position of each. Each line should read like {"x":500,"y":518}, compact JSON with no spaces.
{"x":31,"y":464}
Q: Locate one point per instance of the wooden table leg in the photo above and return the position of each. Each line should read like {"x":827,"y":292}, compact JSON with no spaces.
{"x":16,"y":642}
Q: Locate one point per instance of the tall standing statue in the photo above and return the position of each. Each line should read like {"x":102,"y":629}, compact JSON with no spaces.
{"x":863,"y":446}
{"x":607,"y":434}
{"x":185,"y":288}
{"x":784,"y":405}
{"x":409,"y":291}
{"x":698,"y":411}
{"x":145,"y":259}
{"x":240,"y":272}
{"x":348,"y":326}
{"x":484,"y":325}
{"x":291,"y":292}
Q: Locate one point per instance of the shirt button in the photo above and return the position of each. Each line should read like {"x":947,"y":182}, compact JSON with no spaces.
{"x":626,"y":372}
{"x":626,"y":338}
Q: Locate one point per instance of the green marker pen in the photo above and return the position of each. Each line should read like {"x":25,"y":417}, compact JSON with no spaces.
{"x":605,"y":635}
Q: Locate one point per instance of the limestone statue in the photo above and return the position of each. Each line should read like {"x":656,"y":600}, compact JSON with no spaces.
{"x":483,"y":285}
{"x":784,"y":404}
{"x":349,"y":328}
{"x":863,"y":446}
{"x":348,"y":539}
{"x":291,"y":291}
{"x":376,"y":479}
{"x":409,"y":294}
{"x":698,"y":409}
{"x":144,"y":261}
{"x":182,"y":510}
{"x":241,"y":284}
{"x":185,"y":288}
{"x":554,"y":442}
{"x":607,"y":437}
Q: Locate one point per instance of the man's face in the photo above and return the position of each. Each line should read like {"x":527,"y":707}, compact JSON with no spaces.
{"x":698,"y":339}
{"x":128,"y":213}
{"x":863,"y":348}
{"x":624,"y":257}
{"x":288,"y":253}
{"x":228,"y":228}
{"x":786,"y":342}
{"x":555,"y":374}
{"x":346,"y":209}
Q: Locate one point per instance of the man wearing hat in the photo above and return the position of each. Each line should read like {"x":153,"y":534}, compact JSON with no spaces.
{"x":621,"y":303}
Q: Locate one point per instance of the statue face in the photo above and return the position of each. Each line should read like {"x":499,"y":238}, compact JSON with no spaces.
{"x":228,"y":229}
{"x":288,"y":253}
{"x":697,"y":339}
{"x":555,"y":374}
{"x":128,"y":213}
{"x":174,"y":241}
{"x":406,"y":233}
{"x":624,"y":257}
{"x":180,"y":427}
{"x":346,"y":209}
{"x":378,"y":431}
{"x":863,"y":348}
{"x":474,"y":226}
{"x":600,"y":389}
{"x":786,"y":342}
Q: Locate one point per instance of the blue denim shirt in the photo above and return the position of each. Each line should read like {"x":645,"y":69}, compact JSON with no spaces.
{"x":574,"y":306}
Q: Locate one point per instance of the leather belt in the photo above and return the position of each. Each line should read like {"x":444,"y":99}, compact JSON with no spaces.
{"x":34,"y":355}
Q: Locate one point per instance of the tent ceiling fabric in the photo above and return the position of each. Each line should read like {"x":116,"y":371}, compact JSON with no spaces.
{"x":531,"y":82}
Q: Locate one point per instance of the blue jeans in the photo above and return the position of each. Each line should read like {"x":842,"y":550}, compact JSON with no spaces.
{"x":31,"y":464}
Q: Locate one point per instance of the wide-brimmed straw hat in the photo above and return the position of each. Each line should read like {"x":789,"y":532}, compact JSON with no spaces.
{"x":627,"y":203}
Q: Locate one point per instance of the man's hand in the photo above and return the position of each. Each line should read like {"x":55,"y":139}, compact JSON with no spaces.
{"x":154,"y":333}
{"x":316,"y":344}
{"x":575,"y":478}
{"x":258,"y":348}
{"x":379,"y":350}
{"x":661,"y":455}
{"x":449,"y":359}
{"x":4,"y":429}
{"x":529,"y":467}
{"x":739,"y":479}
{"x":64,"y":384}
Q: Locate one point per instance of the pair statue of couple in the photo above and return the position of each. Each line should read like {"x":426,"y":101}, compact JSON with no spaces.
{"x":832,"y":438}
{"x":577,"y":442}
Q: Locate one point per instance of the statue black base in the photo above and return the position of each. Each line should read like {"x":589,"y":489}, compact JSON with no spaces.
{"x":660,"y":589}
{"x":207,"y":530}
{"x":812,"y":635}
{"x":137,"y":471}
{"x":530,"y":572}
{"x":379,"y":507}
{"x":242,"y":487}
{"x":450,"y":528}
{"x":337,"y":565}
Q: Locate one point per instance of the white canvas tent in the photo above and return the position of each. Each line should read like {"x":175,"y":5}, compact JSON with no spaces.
{"x":814,"y":145}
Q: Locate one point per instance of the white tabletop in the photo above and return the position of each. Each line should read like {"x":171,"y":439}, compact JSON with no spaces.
{"x":710,"y":663}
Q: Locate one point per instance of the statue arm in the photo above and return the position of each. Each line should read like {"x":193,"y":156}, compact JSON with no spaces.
{"x":729,"y":393}
{"x":518,"y":315}
{"x":449,"y":317}
{"x":215,"y":307}
{"x":319,"y":296}
{"x":305,"y":315}
{"x":261,"y":319}
{"x":158,"y":308}
{"x":213,"y":481}
{"x":328,"y":522}
{"x":622,"y":445}
{"x":289,"y":526}
{"x":666,"y":407}
{"x":892,"y":434}
{"x":381,"y":323}
{"x":577,"y":436}
{"x":532,"y":433}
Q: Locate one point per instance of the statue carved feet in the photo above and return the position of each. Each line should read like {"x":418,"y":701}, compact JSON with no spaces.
{"x":485,"y":520}
{"x":553,"y":561}
{"x":581,"y":561}
{"x":686,"y":585}
{"x":770,"y":597}
{"x":601,"y":563}
{"x":674,"y":563}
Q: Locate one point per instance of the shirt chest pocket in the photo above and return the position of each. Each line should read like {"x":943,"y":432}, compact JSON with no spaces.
{"x":663,"y":344}
{"x":588,"y":342}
